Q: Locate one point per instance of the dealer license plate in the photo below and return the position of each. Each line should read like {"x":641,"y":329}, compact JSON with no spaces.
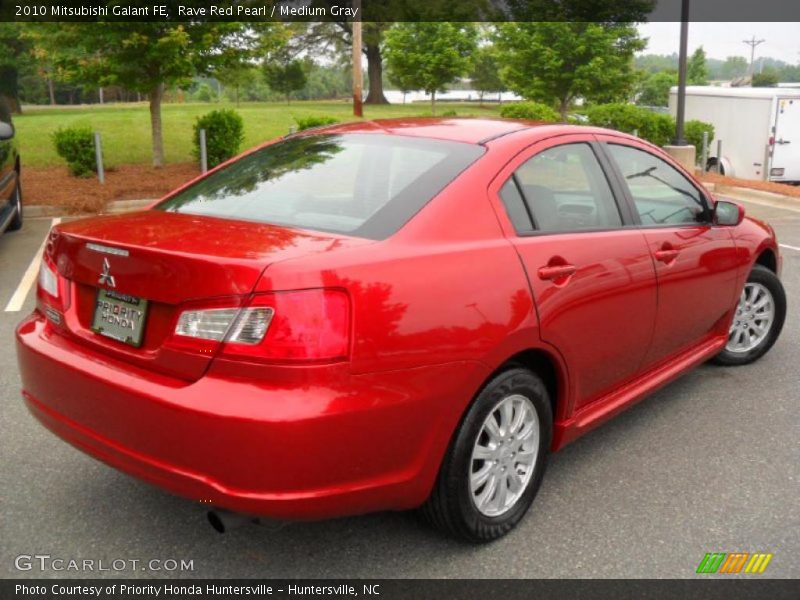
{"x":120,"y":317}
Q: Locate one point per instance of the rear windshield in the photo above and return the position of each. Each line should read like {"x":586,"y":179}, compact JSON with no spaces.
{"x":366,"y":185}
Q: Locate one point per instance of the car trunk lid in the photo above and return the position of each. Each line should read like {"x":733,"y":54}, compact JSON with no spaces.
{"x":172,"y":261}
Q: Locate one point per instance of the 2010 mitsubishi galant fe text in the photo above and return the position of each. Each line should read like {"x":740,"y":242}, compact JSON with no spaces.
{"x":391,"y":315}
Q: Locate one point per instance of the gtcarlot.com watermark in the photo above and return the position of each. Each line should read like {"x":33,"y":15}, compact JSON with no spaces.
{"x":47,"y":563}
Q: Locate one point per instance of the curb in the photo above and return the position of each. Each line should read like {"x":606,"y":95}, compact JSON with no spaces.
{"x":115,"y":207}
{"x":122,"y":206}
{"x":761,"y":194}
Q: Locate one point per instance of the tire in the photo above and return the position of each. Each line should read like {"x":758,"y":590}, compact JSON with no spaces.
{"x":762,"y":288}
{"x":16,"y":222}
{"x":453,"y":504}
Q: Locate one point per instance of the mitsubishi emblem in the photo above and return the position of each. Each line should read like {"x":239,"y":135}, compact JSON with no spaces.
{"x":106,"y":277}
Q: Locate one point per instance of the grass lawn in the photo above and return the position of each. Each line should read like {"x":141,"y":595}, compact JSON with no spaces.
{"x":126,"y":127}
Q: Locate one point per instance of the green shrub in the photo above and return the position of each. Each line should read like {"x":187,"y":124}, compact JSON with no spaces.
{"x":309,"y":122}
{"x":449,"y":113}
{"x":533,"y":111}
{"x":224,"y":135}
{"x":76,"y":146}
{"x":656,"y":128}
{"x":693,"y":132}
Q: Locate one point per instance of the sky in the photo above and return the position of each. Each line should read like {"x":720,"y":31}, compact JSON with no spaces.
{"x":720,"y":40}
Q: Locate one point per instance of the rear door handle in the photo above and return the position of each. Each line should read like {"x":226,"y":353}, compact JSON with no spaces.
{"x":666,"y":255}
{"x":556,"y":271}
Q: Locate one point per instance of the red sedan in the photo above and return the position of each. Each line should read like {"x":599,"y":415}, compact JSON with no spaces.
{"x":391,"y":315}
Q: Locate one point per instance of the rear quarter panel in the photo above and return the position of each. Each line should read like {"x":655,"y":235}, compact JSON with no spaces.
{"x":447,"y":287}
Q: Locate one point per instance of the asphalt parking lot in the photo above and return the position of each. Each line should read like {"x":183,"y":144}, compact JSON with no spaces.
{"x":710,"y":463}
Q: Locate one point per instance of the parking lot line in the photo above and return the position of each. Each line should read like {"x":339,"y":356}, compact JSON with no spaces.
{"x":789,"y":247}
{"x":18,"y":299}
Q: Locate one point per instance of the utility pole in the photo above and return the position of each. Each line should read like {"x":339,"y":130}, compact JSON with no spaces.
{"x":682,"y":58}
{"x":358,"y":91}
{"x":753,"y":43}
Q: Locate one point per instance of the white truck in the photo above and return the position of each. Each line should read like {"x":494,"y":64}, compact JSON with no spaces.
{"x":755,"y":125}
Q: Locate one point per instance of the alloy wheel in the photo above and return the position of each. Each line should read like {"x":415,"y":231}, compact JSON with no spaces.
{"x":504,"y":455}
{"x":753,"y":319}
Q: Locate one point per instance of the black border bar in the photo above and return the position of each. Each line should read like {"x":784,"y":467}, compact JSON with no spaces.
{"x":399,"y":10}
{"x":733,"y":588}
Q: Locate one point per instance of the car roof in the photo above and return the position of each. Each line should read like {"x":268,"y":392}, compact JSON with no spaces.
{"x":468,"y":130}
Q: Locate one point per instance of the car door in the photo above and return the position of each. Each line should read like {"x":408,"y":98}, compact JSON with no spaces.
{"x":591,"y":274}
{"x":8,"y":178}
{"x":695,"y":262}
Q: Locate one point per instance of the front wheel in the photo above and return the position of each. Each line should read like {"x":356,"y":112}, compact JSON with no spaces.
{"x":758,"y":319}
{"x":496,"y":461}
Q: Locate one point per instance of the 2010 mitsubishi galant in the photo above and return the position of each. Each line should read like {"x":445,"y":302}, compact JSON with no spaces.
{"x":391,"y":315}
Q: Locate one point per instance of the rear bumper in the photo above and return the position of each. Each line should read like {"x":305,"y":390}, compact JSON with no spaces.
{"x":317,"y":446}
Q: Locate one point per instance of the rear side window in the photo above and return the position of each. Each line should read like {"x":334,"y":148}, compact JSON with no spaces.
{"x":661,"y":194}
{"x":515,"y":207}
{"x":367,"y":185}
{"x":566,"y":190}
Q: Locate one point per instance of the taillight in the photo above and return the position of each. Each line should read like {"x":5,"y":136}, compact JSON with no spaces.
{"x":48,"y":278}
{"x":52,"y":291}
{"x":303,"y":325}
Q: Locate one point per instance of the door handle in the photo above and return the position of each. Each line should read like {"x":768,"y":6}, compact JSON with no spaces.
{"x":556,"y":271}
{"x":666,"y":255}
{"x":783,"y":141}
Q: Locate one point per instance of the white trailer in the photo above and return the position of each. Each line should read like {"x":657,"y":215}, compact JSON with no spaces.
{"x":755,"y":125}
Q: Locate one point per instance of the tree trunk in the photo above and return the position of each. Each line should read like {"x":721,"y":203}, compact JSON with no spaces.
{"x":433,"y":103}
{"x":375,"y":75}
{"x":563,"y":109}
{"x":51,"y":90}
{"x":156,"y":95}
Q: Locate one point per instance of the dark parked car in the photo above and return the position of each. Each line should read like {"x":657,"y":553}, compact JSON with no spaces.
{"x":10,"y":192}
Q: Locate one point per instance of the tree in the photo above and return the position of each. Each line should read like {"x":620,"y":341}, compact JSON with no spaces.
{"x":285,"y":76}
{"x":327,"y":38}
{"x":428,"y":56}
{"x":766,"y":78}
{"x":14,"y":57}
{"x":144,"y":57}
{"x":653,"y":63}
{"x":485,"y":73}
{"x":654,"y":89}
{"x":557,"y":62}
{"x":377,"y":18}
{"x":696,"y":69}
{"x":733,"y":67}
{"x":237,"y":76}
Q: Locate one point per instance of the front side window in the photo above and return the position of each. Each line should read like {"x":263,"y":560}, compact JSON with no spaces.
{"x":365,"y":185}
{"x":566,"y":190}
{"x":661,"y":194}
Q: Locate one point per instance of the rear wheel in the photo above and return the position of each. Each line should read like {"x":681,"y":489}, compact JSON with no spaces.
{"x":496,"y":461}
{"x":758,"y":319}
{"x":16,"y":201}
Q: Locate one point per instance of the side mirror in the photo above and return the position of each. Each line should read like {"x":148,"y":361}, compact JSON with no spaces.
{"x":6,"y":131}
{"x":728,"y":213}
